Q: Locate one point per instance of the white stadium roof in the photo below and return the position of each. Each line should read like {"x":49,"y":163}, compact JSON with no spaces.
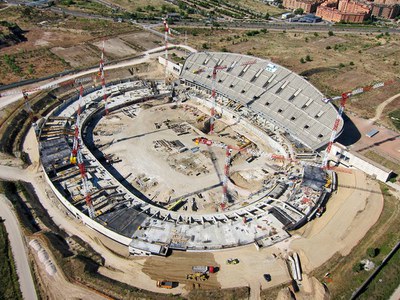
{"x":281,"y":96}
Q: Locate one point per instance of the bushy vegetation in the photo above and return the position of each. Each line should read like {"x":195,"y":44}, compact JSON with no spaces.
{"x":9,"y":286}
{"x":395,"y":118}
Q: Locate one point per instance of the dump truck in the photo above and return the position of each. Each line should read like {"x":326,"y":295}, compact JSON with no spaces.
{"x":204,"y":269}
{"x":166,"y":284}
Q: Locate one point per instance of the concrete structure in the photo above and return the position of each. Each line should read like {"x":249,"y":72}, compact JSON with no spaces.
{"x":308,"y":6}
{"x":344,"y":156}
{"x":171,"y":66}
{"x":268,"y":92}
{"x":343,"y":11}
{"x":388,"y":9}
{"x":147,"y":229}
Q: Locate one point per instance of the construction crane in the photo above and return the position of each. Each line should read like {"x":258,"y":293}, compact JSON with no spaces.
{"x":167,"y":32}
{"x":228,"y":155}
{"x":343,"y":98}
{"x":75,"y":145}
{"x":26,"y":92}
{"x":88,"y":197}
{"x":214,"y":95}
{"x":76,"y":157}
{"x":103,"y":80}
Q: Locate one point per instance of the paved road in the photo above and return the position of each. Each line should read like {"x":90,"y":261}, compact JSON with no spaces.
{"x":18,"y":250}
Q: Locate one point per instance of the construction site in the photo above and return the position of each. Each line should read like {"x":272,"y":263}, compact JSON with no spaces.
{"x":151,"y":168}
{"x":225,"y":151}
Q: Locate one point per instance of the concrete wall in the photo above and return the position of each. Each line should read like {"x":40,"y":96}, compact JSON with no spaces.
{"x":385,"y":11}
{"x":171,"y":67}
{"x":334,"y":15}
{"x":307,"y":6}
{"x":358,"y":161}
{"x":85,"y":219}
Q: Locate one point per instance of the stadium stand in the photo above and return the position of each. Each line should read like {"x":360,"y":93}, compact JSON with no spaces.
{"x":279,"y":95}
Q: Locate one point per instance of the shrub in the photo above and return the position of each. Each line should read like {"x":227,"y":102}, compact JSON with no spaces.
{"x":351,"y":63}
{"x":302,"y":60}
{"x":308,"y":58}
{"x":328,"y":47}
{"x":330,"y":33}
{"x":358,"y":267}
{"x":372,"y":252}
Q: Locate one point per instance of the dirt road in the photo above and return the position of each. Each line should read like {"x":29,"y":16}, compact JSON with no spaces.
{"x":349,"y":215}
{"x":382,"y":106}
{"x":18,"y":248}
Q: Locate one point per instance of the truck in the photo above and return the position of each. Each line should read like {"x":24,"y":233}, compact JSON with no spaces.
{"x":166,"y":284}
{"x":204,"y":269}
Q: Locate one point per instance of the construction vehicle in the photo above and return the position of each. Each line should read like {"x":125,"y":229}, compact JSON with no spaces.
{"x":232,"y":261}
{"x":204,"y":269}
{"x":320,"y":211}
{"x":197,"y":276}
{"x":166,"y":284}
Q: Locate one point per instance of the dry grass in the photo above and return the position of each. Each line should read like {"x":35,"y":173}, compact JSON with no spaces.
{"x":133,"y":5}
{"x":383,"y":235}
{"x":259,"y":7}
{"x":340,"y":63}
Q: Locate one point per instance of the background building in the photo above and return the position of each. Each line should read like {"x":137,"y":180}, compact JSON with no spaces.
{"x":344,"y":11}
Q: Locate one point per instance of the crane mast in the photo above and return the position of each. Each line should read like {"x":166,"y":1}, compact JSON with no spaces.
{"x":103,"y":80}
{"x":75,"y":145}
{"x":166,"y":33}
{"x":88,"y":198}
{"x":343,"y":100}
{"x":214,"y":96}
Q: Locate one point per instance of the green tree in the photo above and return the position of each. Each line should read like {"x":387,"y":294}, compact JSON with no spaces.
{"x":308,"y":58}
{"x":330,"y":33}
{"x":372,"y":252}
{"x":302,"y":60}
{"x":299,"y":11}
{"x":358,"y":267}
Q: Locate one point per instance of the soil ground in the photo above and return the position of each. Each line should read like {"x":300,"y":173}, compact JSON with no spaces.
{"x":338,"y":63}
{"x":163,"y":173}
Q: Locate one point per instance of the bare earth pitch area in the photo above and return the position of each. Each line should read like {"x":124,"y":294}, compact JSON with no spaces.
{"x":158,"y":156}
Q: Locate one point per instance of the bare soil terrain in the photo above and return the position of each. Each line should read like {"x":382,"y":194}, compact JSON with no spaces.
{"x":55,"y":44}
{"x":336,"y":63}
{"x":151,"y":143}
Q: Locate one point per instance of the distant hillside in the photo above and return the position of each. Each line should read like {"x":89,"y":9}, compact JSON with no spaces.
{"x":10,"y":34}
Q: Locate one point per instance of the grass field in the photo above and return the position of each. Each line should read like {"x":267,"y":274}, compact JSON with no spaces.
{"x":390,"y":164}
{"x":383,"y":235}
{"x":9,"y":286}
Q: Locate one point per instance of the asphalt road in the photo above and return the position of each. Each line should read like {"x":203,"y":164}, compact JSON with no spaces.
{"x":18,"y":249}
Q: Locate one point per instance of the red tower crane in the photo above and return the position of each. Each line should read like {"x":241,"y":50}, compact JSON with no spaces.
{"x":343,"y":100}
{"x":228,"y":154}
{"x":103,"y":80}
{"x":76,"y":157}
{"x":167,"y":32}
{"x":88,"y":198}
{"x":214,"y":95}
{"x":75,"y":146}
